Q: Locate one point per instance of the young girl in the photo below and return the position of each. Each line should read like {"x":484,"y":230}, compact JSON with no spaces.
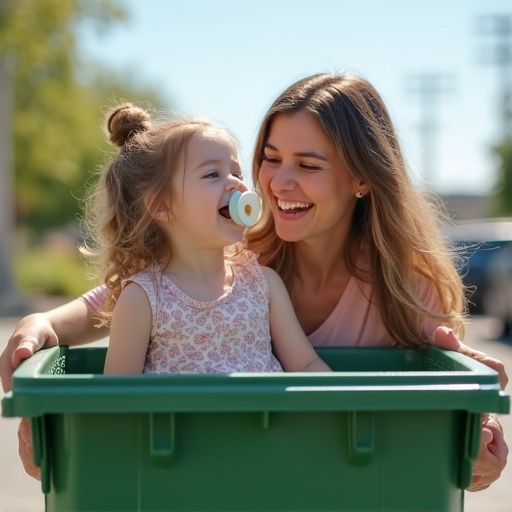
{"x":160,"y":223}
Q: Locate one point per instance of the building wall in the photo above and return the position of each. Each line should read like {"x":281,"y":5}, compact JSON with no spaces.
{"x":465,"y":207}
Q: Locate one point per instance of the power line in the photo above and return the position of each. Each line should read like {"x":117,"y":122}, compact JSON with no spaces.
{"x":428,"y":88}
{"x":499,"y":54}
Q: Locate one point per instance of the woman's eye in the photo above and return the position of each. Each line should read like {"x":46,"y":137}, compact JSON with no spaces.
{"x":309,"y":167}
{"x":270,"y":159}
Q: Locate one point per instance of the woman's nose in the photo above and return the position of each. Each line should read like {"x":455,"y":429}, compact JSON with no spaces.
{"x":283,"y":179}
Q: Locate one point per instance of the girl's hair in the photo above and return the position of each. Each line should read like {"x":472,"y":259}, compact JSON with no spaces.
{"x":124,"y":236}
{"x":399,"y":225}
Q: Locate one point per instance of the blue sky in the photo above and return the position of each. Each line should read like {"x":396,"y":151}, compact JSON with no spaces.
{"x":228,"y":59}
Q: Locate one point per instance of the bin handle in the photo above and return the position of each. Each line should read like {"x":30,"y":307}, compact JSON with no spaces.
{"x":471,"y":441}
{"x":504,"y":403}
{"x":361,"y":438}
{"x":162,"y":439}
{"x":39,"y":450}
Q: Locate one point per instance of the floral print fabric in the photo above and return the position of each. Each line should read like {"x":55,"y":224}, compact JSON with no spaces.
{"x":230,"y":334}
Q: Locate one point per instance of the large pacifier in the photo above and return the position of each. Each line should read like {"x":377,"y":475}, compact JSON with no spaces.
{"x":244,"y":208}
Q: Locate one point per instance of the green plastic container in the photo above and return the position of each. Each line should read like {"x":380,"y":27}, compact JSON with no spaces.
{"x":390,"y":430}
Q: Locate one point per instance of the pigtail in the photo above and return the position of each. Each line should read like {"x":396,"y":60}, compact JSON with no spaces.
{"x":124,"y":122}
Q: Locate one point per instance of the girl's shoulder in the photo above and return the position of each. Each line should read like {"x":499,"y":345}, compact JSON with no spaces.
{"x":148,"y":276}
{"x":150,"y":280}
{"x":245,"y":265}
{"x":243,"y":257}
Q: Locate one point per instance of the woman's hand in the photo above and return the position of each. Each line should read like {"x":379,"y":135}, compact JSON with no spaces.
{"x":493,"y":453}
{"x":70,"y":324}
{"x":31,"y":334}
{"x":25,"y":449}
{"x":492,"y":457}
{"x":445,"y":338}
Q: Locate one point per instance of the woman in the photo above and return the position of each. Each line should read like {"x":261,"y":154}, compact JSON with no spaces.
{"x":358,"y":247}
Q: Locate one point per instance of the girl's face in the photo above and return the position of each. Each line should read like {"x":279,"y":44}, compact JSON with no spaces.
{"x":208,"y":175}
{"x":310,"y":191}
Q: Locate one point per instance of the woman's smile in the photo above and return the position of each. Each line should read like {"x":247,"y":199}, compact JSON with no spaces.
{"x":293,"y":206}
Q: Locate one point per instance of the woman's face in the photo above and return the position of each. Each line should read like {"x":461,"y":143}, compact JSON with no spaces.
{"x":310,"y":191}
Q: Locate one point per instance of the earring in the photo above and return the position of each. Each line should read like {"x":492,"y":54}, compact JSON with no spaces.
{"x":359,"y":194}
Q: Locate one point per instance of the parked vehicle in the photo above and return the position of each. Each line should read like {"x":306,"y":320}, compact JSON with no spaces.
{"x":497,"y":300}
{"x":485,"y":247}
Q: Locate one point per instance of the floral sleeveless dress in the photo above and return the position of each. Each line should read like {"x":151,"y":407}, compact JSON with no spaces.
{"x":230,"y":334}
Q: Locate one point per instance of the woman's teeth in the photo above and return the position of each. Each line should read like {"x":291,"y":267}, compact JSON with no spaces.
{"x":288,"y":206}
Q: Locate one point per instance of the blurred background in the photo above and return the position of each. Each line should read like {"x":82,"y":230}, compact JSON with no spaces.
{"x":443,"y":68}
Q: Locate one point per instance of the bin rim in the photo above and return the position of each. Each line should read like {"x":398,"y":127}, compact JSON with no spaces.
{"x":474,"y":388}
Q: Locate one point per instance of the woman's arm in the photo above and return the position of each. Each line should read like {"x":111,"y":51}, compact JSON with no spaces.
{"x":493,"y":453}
{"x":130,"y":330}
{"x":289,"y":342}
{"x":70,"y":324}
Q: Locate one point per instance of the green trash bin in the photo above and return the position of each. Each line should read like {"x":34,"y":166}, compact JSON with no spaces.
{"x":389,"y":430}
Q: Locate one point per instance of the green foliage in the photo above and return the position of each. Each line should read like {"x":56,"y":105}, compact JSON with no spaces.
{"x":503,"y":203}
{"x":53,"y":271}
{"x":57,"y":117}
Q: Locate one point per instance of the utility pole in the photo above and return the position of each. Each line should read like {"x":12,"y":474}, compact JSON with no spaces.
{"x":428,"y":88}
{"x":11,"y":303}
{"x":499,"y":27}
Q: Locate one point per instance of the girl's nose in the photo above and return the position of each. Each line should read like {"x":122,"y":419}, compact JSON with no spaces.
{"x":234,"y":183}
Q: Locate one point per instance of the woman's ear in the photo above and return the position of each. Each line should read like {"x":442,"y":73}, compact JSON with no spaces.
{"x":160,"y":210}
{"x":363,"y":188}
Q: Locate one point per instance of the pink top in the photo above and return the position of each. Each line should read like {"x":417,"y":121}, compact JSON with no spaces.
{"x":355,"y":321}
{"x":229,"y":334}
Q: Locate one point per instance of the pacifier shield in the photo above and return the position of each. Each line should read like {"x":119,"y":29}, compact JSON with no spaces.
{"x":244,"y":208}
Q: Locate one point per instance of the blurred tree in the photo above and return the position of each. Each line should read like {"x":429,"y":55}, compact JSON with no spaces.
{"x":503,"y":203}
{"x":57,"y":115}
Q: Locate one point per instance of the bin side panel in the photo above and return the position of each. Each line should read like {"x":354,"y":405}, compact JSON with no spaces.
{"x":236,"y":462}
{"x":283,"y":461}
{"x":94,"y":464}
{"x":420,"y":460}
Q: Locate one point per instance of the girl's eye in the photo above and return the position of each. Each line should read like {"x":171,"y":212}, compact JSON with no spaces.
{"x":212,"y":174}
{"x":238,"y":175}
